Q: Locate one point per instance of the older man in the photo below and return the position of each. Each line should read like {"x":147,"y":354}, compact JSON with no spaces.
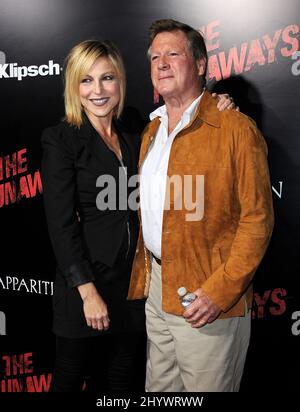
{"x":207,"y":218}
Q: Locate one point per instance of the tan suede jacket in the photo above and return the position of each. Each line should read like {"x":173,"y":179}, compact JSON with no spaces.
{"x":221,"y":251}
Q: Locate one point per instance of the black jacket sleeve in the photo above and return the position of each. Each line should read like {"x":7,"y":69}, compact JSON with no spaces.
{"x":59,"y":187}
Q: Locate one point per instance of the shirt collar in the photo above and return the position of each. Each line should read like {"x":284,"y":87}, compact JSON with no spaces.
{"x":189,"y":113}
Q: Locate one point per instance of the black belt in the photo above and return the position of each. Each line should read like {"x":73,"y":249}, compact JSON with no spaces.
{"x":158,"y":261}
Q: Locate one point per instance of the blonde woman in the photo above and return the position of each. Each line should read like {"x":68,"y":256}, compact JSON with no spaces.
{"x":94,"y":248}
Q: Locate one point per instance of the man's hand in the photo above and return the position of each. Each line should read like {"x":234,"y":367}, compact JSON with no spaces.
{"x":202,"y":311}
{"x":225,"y":102}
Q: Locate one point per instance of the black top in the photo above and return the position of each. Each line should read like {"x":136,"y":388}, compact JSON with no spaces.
{"x":89,"y":244}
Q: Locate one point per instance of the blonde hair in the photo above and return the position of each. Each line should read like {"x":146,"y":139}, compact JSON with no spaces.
{"x":77,"y":64}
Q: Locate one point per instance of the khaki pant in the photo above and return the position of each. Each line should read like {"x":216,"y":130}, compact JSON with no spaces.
{"x":183,"y":359}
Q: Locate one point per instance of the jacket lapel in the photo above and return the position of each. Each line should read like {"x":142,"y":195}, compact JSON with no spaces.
{"x":207,"y":112}
{"x":129,"y":153}
{"x":96,"y":145}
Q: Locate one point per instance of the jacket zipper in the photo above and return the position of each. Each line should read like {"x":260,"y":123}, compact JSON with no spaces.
{"x":128,"y":228}
{"x":128,"y":239}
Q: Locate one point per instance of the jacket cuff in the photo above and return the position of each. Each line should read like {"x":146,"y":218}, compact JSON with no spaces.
{"x":78,"y":274}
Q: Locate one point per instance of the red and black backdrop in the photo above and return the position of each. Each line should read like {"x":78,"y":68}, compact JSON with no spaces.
{"x":254,"y":55}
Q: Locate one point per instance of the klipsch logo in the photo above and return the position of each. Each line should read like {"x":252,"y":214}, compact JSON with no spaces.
{"x":15,"y":71}
{"x":2,"y":57}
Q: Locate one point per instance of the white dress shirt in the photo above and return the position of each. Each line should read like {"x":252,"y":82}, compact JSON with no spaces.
{"x":153,"y":179}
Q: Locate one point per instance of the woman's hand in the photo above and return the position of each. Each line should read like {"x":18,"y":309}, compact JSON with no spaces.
{"x":94,"y":307}
{"x":225,"y":102}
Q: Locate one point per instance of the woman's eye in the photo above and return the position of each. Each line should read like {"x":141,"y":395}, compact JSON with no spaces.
{"x":85,"y":80}
{"x":154,"y":58}
{"x":108,"y":77}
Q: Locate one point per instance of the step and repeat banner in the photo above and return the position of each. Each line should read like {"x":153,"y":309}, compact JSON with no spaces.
{"x":254,"y":55}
